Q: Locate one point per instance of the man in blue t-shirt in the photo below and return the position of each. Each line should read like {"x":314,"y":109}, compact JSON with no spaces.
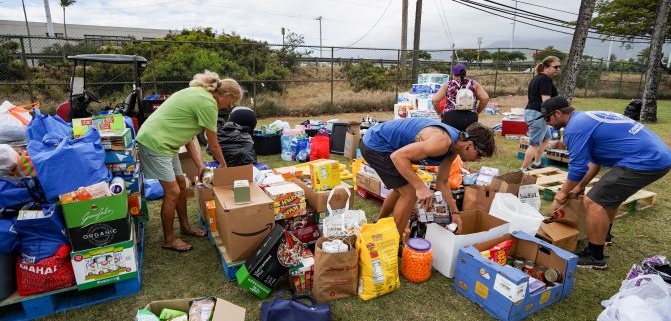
{"x":391,"y":148}
{"x":635,"y":154}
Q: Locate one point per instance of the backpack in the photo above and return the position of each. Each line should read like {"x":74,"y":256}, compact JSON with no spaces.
{"x":465,"y":98}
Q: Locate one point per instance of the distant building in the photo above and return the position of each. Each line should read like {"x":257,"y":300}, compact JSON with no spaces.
{"x":75,"y":31}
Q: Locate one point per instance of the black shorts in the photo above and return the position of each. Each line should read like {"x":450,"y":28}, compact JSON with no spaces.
{"x":459,"y":119}
{"x":382,"y":164}
{"x":619,"y":183}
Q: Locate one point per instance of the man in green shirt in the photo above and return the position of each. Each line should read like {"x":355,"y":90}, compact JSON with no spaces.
{"x":174,"y":124}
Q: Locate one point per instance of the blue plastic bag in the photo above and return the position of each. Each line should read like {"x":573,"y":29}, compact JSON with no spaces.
{"x":8,"y":236}
{"x":66,"y":165}
{"x":41,"y":125}
{"x":13,"y":192}
{"x":152,"y":189}
{"x":41,"y":236}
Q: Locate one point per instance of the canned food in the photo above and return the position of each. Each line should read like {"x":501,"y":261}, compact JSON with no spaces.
{"x":551,"y":275}
{"x":539,"y":272}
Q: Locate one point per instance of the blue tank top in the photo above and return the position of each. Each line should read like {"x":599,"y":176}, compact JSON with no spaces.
{"x":391,"y":135}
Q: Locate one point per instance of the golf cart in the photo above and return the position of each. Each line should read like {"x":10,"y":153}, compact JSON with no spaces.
{"x":81,"y":96}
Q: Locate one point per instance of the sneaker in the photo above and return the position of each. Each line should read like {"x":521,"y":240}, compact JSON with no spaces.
{"x":539,"y":166}
{"x":523,"y":170}
{"x":609,"y":240}
{"x":586,"y":260}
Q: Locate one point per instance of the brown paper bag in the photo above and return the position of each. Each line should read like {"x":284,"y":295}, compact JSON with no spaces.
{"x":571,"y":213}
{"x":336,"y":275}
{"x":477,"y":197}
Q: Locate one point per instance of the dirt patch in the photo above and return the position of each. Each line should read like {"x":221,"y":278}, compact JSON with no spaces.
{"x":504,"y":102}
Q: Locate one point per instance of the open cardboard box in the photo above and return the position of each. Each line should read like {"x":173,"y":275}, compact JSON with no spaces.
{"x":241,"y":227}
{"x":477,"y":226}
{"x":318,"y":199}
{"x":559,"y":234}
{"x":223,"y":310}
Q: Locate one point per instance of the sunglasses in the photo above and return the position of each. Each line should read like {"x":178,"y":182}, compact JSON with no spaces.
{"x":556,"y":67}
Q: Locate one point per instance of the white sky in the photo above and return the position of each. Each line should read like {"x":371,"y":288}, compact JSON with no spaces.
{"x":357,"y":23}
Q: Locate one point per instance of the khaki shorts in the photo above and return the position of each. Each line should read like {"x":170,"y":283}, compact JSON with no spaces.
{"x":155,"y":166}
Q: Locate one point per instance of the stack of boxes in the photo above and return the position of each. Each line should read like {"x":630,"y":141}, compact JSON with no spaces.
{"x":291,"y":211}
{"x":101,"y":232}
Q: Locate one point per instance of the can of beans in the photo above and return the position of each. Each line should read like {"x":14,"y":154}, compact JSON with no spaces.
{"x":551,"y":275}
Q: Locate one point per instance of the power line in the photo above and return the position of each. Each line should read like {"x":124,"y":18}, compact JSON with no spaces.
{"x":374,"y":25}
{"x":443,"y":22}
{"x":478,"y":6}
{"x":537,"y":5}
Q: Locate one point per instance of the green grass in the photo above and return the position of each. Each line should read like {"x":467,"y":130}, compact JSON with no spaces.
{"x":170,"y":275}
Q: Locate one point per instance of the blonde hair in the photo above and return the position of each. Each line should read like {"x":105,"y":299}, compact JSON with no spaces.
{"x":547,"y":62}
{"x":211,"y":82}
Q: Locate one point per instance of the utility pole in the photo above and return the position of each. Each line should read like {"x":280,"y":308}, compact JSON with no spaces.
{"x":404,"y":36}
{"x":320,"y":35}
{"x":479,"y":44}
{"x":415,"y":46}
{"x":50,"y":26}
{"x":514,"y":19}
{"x":283,"y":37}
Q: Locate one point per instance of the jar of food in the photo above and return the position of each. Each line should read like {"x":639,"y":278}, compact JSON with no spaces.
{"x":416,"y":260}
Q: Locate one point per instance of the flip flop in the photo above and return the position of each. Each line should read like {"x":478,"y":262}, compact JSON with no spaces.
{"x":194,"y":232}
{"x":178,"y":246}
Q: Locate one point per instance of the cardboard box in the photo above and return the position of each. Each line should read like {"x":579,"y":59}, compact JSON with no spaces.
{"x":223,"y":310}
{"x":325,"y":174}
{"x":503,"y":290}
{"x":511,"y":182}
{"x":116,"y":139}
{"x":285,"y":194}
{"x":559,"y":234}
{"x":242,"y":227}
{"x":104,"y":265}
{"x":241,"y":191}
{"x":270,"y":261}
{"x":128,"y":155}
{"x":100,"y":234}
{"x":318,"y":199}
{"x":97,"y":210}
{"x":352,"y":138}
{"x":477,"y":226}
{"x":211,"y":215}
{"x":250,"y":283}
{"x":188,"y":165}
{"x":289,"y":211}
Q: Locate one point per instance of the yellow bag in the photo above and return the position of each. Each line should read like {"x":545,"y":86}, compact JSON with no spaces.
{"x":377,"y":245}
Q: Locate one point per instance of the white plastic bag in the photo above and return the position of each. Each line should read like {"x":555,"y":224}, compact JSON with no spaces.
{"x":522,"y":217}
{"x":342,"y":222}
{"x":646,"y":297}
{"x":9,"y":158}
{"x":13,"y":122}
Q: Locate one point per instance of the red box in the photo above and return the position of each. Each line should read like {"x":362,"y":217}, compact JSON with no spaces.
{"x":513,"y":127}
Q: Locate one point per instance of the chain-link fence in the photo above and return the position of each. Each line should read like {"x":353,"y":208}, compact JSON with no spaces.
{"x":311,"y":80}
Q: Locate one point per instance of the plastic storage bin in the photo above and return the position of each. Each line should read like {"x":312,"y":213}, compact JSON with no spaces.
{"x":267,"y":145}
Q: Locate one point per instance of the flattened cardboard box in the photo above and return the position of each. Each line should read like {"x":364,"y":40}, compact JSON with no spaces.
{"x":242,"y":227}
{"x":223,"y":310}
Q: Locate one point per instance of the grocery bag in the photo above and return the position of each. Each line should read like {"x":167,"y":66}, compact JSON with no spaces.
{"x":336,"y":275}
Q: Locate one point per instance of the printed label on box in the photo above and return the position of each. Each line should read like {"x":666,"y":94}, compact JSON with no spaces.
{"x":509,"y":290}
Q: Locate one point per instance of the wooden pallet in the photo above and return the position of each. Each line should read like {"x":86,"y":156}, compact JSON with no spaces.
{"x":639,"y":201}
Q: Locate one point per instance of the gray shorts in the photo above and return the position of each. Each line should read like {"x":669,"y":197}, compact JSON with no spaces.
{"x":155,"y":166}
{"x":619,"y":183}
